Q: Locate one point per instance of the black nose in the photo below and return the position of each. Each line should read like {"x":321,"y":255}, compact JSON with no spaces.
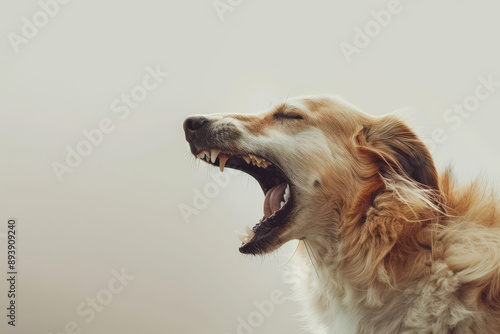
{"x":193,"y":123}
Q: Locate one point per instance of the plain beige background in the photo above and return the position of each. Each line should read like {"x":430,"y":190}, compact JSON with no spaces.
{"x":120,"y":207}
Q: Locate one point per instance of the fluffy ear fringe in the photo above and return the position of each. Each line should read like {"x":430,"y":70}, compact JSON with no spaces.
{"x":397,"y":150}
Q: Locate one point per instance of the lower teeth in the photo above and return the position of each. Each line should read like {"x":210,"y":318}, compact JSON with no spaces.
{"x":244,"y":238}
{"x":287,"y":192}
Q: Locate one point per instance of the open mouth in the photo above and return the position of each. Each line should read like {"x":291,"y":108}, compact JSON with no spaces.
{"x":278,"y":200}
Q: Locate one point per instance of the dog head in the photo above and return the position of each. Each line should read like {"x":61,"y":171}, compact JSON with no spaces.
{"x":318,"y":160}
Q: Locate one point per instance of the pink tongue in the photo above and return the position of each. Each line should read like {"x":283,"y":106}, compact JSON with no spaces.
{"x":273,"y":199}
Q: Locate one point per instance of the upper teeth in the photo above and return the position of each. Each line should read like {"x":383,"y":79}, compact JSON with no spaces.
{"x":214,"y":155}
{"x":204,"y":155}
{"x":247,"y":159}
{"x":211,"y":156}
{"x":222,"y":163}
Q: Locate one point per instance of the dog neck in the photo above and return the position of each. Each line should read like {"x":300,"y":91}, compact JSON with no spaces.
{"x":366,"y":255}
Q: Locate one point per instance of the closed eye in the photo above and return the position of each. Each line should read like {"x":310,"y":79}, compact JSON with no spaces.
{"x":287,"y":116}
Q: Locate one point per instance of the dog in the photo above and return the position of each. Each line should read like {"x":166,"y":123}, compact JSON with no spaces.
{"x":391,"y":246}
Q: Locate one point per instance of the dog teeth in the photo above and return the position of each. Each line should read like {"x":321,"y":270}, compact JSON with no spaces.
{"x":282,"y":204}
{"x":204,"y":155}
{"x":250,"y":233}
{"x":257,"y":159}
{"x":287,"y":193}
{"x":213,"y":155}
{"x":244,"y":238}
{"x":222,"y":163}
{"x":241,"y":236}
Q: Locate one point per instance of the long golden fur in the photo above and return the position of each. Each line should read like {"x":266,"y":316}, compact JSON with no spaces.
{"x":391,"y":245}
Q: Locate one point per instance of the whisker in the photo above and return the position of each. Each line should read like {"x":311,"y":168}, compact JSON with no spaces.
{"x":290,"y":259}
{"x":312,"y":258}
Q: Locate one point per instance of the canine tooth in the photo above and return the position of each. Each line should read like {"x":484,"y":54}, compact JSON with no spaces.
{"x":287,"y":192}
{"x":247,"y":159}
{"x":200,"y":155}
{"x":213,"y":155}
{"x":250,"y":233}
{"x":207,"y":156}
{"x":243,"y":238}
{"x":222,"y":163}
{"x":282,"y":204}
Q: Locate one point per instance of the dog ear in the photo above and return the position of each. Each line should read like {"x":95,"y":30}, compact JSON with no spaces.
{"x":396,"y":149}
